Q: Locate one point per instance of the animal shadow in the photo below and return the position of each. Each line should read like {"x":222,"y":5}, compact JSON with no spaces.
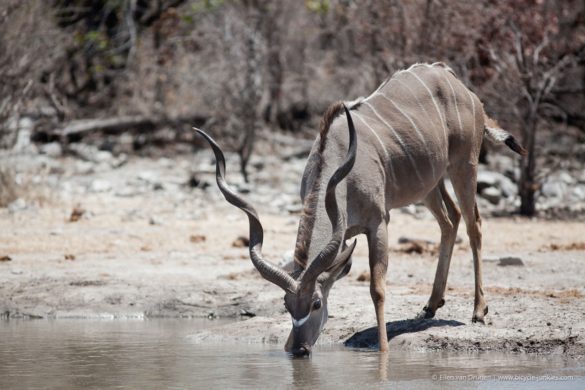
{"x":369,"y":338}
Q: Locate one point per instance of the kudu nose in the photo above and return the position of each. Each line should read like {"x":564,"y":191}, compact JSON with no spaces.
{"x":301,"y":351}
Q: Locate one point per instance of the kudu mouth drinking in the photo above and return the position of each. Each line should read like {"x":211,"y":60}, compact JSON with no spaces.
{"x":419,"y":126}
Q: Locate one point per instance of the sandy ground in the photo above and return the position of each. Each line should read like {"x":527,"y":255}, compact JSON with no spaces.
{"x":167,"y":251}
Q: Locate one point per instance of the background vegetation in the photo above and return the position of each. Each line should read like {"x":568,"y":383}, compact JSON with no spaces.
{"x":248,"y":67}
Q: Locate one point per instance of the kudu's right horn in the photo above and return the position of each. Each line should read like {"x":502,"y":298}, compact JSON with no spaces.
{"x":338,"y":225}
{"x":269,"y":271}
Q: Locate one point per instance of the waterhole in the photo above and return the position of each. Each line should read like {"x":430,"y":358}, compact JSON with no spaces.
{"x":159,"y":354}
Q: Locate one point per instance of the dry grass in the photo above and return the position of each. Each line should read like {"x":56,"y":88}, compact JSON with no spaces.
{"x":29,"y":186}
{"x":573,"y":246}
{"x":8,"y":187}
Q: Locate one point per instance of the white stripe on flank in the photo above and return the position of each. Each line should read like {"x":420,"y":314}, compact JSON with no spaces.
{"x":373,"y":132}
{"x":472,"y":107}
{"x":434,"y":101}
{"x":376,"y":91}
{"x":298,"y":323}
{"x":455,"y":98}
{"x":388,"y":158}
{"x":398,"y":138}
{"x":416,"y":129}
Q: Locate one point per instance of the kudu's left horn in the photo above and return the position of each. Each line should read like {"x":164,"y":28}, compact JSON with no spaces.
{"x":269,"y":271}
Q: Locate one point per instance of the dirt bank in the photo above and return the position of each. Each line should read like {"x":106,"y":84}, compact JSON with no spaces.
{"x":143,"y":243}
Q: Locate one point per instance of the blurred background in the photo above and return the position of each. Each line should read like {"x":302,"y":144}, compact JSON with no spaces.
{"x":133,"y":76}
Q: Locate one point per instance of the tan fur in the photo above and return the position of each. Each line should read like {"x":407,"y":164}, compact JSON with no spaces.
{"x":420,"y":126}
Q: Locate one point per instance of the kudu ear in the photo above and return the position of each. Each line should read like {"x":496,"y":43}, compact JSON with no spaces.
{"x":340,"y":267}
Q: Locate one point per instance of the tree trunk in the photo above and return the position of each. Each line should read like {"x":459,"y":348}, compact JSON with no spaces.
{"x":528,"y":184}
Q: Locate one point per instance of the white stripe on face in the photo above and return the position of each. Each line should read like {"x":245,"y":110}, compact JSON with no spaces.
{"x":299,"y":323}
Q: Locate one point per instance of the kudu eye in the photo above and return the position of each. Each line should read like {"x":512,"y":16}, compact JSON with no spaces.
{"x":317,"y":304}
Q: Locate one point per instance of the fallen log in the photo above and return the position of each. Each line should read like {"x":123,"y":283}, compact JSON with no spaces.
{"x":81,"y":127}
{"x":123,"y":123}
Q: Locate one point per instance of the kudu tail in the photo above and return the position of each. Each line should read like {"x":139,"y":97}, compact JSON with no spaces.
{"x":496,"y":134}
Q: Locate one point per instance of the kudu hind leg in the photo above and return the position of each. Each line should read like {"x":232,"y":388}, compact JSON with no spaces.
{"x":378,"y":254}
{"x":464,"y":179}
{"x":447,"y":215}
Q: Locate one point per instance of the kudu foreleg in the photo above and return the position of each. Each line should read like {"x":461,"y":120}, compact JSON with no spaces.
{"x":378,"y":252}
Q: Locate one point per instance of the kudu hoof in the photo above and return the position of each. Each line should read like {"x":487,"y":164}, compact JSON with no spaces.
{"x":479,"y":317}
{"x":425,"y":314}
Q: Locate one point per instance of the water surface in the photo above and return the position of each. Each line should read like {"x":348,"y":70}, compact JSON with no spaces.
{"x":158,"y":354}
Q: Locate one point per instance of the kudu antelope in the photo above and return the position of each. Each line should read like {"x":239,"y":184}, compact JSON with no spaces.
{"x":418,"y":126}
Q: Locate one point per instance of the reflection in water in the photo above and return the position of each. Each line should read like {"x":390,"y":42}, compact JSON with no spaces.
{"x":159,"y":354}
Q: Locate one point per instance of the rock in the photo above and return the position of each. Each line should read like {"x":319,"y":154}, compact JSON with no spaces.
{"x":155,"y":221}
{"x":486,"y":179}
{"x":578,"y":192}
{"x":102,"y":156}
{"x":553,"y":189}
{"x":410,"y":209}
{"x":76,"y":213}
{"x":242,"y":188}
{"x":241,"y":242}
{"x":17,"y":205}
{"x":407,"y":240}
{"x":247,"y":313}
{"x":84,"y":167}
{"x":363,"y":277}
{"x":195,"y":182}
{"x":100,"y":185}
{"x":504,"y":261}
{"x":294,"y":208}
{"x":127,"y":191}
{"x":52,"y":149}
{"x":492,"y":194}
{"x":149,"y":177}
{"x":287,"y":261}
{"x":197,"y":238}
{"x":23,"y":136}
{"x":564,"y":177}
{"x":513,"y":261}
{"x":508,"y":187}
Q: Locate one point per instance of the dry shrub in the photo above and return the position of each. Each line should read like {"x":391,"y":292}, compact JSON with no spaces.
{"x":8,"y":186}
{"x":14,"y":186}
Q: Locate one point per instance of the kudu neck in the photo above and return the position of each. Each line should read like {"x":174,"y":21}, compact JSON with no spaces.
{"x":315,"y":228}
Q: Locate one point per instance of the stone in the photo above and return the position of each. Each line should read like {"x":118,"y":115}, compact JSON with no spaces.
{"x":155,"y":221}
{"x":100,"y":185}
{"x":84,"y":167}
{"x":17,"y":205}
{"x":486,"y":179}
{"x":578,"y":192}
{"x":52,"y":149}
{"x":510,"y":261}
{"x":492,"y":195}
{"x":553,"y":189}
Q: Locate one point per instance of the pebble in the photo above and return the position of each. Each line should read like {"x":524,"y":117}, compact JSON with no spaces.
{"x":100,"y":185}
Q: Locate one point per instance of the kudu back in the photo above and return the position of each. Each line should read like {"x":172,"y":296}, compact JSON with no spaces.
{"x":419,"y":126}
